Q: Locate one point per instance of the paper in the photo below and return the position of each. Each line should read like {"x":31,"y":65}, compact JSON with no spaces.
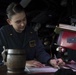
{"x":42,"y":69}
{"x":73,"y":66}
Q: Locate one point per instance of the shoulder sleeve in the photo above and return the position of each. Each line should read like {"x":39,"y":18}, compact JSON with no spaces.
{"x":1,"y":47}
{"x":1,"y":41}
{"x":41,"y":54}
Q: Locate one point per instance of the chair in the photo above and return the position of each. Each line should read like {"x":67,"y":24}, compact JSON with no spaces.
{"x":67,"y":43}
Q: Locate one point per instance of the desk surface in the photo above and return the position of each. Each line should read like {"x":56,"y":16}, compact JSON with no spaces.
{"x":3,"y":71}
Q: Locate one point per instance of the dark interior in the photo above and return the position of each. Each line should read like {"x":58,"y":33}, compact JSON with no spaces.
{"x":44,"y":16}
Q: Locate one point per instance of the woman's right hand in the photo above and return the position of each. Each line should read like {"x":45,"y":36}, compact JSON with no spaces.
{"x":57,"y":63}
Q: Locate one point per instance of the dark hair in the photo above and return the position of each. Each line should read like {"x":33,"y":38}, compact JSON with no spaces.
{"x":63,"y":71}
{"x":13,"y":8}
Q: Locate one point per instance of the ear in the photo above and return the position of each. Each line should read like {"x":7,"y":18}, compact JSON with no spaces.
{"x":8,"y":21}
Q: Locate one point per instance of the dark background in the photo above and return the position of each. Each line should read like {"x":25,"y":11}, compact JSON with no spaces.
{"x":50,"y":12}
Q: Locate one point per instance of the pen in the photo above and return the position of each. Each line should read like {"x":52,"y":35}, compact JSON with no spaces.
{"x":56,"y":60}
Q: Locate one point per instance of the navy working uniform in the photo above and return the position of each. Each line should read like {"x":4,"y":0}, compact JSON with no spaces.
{"x":27,"y":40}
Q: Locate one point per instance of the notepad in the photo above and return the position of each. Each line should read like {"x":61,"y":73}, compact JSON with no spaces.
{"x":41,"y":70}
